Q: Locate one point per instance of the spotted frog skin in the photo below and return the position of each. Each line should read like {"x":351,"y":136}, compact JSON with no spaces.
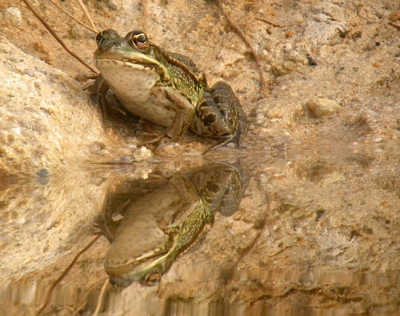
{"x":167,"y":89}
{"x":161,"y":223}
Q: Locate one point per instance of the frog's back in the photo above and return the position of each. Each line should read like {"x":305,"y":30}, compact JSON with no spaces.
{"x":183,"y":72}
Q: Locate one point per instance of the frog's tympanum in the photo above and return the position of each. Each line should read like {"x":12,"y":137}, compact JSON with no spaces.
{"x":166,"y":88}
{"x":157,"y":223}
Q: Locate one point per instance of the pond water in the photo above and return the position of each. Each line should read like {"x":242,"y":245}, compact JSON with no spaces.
{"x":289,"y":229}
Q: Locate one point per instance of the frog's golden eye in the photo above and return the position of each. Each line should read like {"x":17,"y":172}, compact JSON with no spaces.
{"x":152,"y":279}
{"x":139,"y":41}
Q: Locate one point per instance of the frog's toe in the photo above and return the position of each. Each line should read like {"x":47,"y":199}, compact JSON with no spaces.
{"x":155,"y":140}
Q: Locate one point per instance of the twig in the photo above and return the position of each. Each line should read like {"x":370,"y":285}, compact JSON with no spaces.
{"x":87,"y":15}
{"x":100,"y":298}
{"x":268,"y":22}
{"x":58,"y":38}
{"x":144,"y":5}
{"x":395,"y":25}
{"x":263,"y":89}
{"x":77,"y":310}
{"x":72,"y":17}
{"x":65,"y":273}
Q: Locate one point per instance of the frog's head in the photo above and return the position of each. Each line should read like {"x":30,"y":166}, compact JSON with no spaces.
{"x":135,"y":43}
{"x":133,"y":51}
{"x":148,"y":272}
{"x":146,"y":268}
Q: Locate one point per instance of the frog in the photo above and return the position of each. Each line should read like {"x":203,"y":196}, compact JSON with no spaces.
{"x":167,"y":89}
{"x":160,"y":222}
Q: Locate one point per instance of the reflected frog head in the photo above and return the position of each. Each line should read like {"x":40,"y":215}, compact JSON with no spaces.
{"x":159,"y":222}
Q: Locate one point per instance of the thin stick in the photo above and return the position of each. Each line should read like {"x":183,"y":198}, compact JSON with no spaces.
{"x":269,"y":22}
{"x":72,"y":17}
{"x":58,"y":38}
{"x":65,"y":273}
{"x":263,"y":89}
{"x":87,"y":15}
{"x":395,"y":25}
{"x":77,"y":310}
{"x":100,"y":298}
{"x":144,"y":21}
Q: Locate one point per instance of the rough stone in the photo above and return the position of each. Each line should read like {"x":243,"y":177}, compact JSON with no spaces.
{"x":322,"y":107}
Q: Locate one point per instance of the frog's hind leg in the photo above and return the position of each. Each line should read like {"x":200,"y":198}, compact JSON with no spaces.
{"x":219,"y":115}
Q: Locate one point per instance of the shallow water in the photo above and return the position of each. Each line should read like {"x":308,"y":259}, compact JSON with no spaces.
{"x":316,"y":233}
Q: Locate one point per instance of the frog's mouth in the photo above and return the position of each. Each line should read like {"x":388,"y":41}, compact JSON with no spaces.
{"x":146,"y":269}
{"x":144,"y":252}
{"x":142,"y":63}
{"x":147,"y":272}
{"x":140,"y":246}
{"x":138,"y":62}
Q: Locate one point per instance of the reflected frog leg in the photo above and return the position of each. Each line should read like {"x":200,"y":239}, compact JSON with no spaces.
{"x":160,"y":225}
{"x":182,"y":238}
{"x":139,"y":239}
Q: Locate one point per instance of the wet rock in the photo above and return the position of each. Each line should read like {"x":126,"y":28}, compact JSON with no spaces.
{"x":47,"y":121}
{"x":321,"y":107}
{"x":142,"y":154}
{"x":49,"y":130}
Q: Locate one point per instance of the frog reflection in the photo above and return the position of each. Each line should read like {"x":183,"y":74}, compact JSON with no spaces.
{"x":163,"y":218}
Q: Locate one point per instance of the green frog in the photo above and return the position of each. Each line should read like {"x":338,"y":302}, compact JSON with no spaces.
{"x":161,"y":221}
{"x":167,"y":89}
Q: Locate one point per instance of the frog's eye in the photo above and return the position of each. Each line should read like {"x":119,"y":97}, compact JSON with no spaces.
{"x":152,"y":279}
{"x":139,"y":41}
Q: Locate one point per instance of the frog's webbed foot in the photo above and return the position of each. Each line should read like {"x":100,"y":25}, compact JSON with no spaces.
{"x":219,"y":115}
{"x":155,"y":140}
{"x":221,"y":143}
{"x":183,"y":117}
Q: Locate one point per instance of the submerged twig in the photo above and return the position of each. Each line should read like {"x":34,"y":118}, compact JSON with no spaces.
{"x":65,"y":273}
{"x":58,"y":38}
{"x":263,"y":89}
{"x":100,"y":298}
{"x":87,"y":292}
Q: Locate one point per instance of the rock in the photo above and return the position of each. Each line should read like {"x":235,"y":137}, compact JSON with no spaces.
{"x":49,"y":194}
{"x":395,"y":15}
{"x":47,"y":121}
{"x":13,"y":15}
{"x":321,"y":107}
{"x":325,"y":31}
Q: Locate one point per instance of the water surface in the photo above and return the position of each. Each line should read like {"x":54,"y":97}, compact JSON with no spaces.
{"x":312,"y":229}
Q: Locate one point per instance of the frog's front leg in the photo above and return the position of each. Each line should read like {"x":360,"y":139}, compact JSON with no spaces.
{"x":219,"y":115}
{"x":183,"y":117}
